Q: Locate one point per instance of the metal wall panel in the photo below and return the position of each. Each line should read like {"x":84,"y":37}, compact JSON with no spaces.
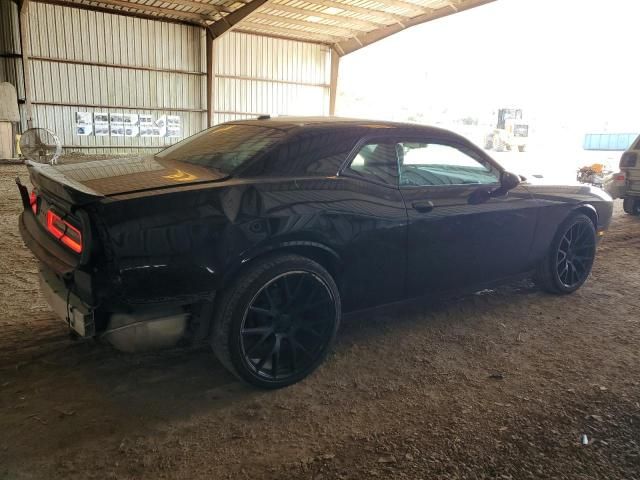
{"x":10,"y":60}
{"x":9,"y":27}
{"x":263,"y":75}
{"x":85,"y":61}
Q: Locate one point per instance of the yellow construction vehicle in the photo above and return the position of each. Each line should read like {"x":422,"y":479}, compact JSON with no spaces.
{"x":511,"y":132}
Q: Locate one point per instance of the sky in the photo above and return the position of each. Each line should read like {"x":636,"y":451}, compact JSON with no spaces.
{"x":572,"y":65}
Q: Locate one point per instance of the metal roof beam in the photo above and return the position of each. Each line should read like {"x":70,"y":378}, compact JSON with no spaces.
{"x":288,"y":32}
{"x":356,"y":23}
{"x":329,"y":29}
{"x":234,"y":18}
{"x":390,"y":17}
{"x":362,"y":40}
{"x":194,"y":17}
{"x":302,"y":38}
{"x":416,"y":9}
{"x":113,"y":11}
{"x":209,"y":7}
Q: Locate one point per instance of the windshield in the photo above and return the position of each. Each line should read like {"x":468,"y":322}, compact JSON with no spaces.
{"x":223,"y":148}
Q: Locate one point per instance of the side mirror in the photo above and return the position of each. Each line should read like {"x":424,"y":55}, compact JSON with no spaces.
{"x":508,"y":181}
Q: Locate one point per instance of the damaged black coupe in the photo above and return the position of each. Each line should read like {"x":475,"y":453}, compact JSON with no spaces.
{"x":255,"y":236}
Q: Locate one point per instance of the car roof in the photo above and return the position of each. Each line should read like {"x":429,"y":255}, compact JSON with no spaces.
{"x":283,"y":120}
{"x":328,"y":123}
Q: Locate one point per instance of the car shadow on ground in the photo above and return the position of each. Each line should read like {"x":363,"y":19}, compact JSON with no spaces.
{"x":90,"y":385}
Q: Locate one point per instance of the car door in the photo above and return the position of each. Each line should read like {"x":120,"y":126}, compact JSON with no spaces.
{"x":458,"y":235}
{"x":376,"y":254}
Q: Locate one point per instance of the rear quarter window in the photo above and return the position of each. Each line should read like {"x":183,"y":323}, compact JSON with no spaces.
{"x":308,"y":153}
{"x":225,"y":147}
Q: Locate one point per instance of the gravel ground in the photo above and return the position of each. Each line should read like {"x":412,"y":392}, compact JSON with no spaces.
{"x":494,"y":385}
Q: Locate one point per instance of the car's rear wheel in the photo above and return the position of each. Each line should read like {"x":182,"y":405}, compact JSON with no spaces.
{"x":570,"y":258}
{"x":277,"y":322}
{"x":631,"y":205}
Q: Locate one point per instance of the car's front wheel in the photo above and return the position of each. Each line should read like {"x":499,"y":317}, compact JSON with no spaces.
{"x":277,"y":322}
{"x":570,"y":257}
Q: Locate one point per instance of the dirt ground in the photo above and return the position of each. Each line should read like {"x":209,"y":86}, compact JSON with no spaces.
{"x":501,"y":384}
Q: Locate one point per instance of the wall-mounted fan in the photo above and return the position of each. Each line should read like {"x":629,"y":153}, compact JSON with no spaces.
{"x":40,"y":145}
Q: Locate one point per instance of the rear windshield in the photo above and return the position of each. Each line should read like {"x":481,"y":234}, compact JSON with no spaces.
{"x":223,"y":148}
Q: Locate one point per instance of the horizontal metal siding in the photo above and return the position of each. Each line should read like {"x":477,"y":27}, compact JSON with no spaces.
{"x":263,"y":75}
{"x":81,"y":35}
{"x":98,"y":62}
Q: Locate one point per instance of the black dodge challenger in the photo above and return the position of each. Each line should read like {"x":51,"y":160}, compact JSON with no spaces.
{"x":255,"y":236}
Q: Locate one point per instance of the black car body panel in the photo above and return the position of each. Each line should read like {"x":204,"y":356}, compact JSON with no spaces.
{"x":159,"y":230}
{"x":556,"y":202}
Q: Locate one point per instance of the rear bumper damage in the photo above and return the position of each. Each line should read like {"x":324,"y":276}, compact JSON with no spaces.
{"x":79,"y":316}
{"x":139,"y":330}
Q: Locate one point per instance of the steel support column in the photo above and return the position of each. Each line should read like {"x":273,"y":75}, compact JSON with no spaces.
{"x":210,"y":77}
{"x":333,"y":86}
{"x":25,"y":49}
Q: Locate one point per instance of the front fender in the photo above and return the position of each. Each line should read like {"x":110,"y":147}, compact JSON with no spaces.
{"x":590,"y":211}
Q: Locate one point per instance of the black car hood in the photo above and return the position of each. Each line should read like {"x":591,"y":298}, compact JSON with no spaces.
{"x":80,"y":182}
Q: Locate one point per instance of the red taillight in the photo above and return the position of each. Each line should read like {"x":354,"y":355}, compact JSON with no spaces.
{"x":33,"y":201}
{"x":619,"y":177}
{"x":64,"y":231}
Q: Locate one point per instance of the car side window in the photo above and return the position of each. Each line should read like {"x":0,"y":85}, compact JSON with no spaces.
{"x":306,"y":154}
{"x":377,"y":162}
{"x":424,"y":164}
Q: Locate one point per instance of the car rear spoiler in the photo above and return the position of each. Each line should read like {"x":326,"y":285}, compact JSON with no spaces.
{"x":50,"y":179}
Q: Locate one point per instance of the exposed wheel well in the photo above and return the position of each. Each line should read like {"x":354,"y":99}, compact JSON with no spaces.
{"x":324,"y":257}
{"x":591,"y":213}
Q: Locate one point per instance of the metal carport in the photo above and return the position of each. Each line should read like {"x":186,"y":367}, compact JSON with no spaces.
{"x":201,"y":62}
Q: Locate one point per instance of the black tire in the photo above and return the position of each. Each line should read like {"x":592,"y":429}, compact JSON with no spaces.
{"x":566,"y":267}
{"x":264,"y":310}
{"x":522,"y":148}
{"x":631,"y":205}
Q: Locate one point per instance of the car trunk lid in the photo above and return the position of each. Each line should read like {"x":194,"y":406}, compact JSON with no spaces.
{"x":85,"y":182}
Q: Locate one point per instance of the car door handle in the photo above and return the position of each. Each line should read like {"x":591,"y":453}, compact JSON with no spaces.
{"x":423,"y":207}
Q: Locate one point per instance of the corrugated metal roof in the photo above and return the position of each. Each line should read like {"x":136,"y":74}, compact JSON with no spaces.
{"x":345,"y":25}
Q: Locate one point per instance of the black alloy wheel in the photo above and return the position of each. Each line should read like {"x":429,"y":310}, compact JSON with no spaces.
{"x":575,"y":255}
{"x":571,"y":254}
{"x":277,"y":322}
{"x":287,"y":324}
